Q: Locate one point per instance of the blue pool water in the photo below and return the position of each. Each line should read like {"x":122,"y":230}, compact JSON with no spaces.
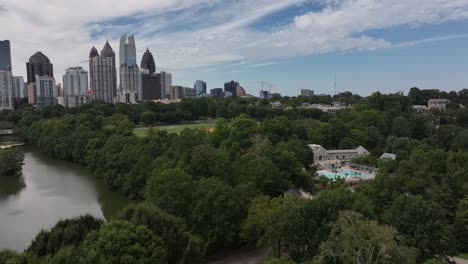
{"x":342,"y":174}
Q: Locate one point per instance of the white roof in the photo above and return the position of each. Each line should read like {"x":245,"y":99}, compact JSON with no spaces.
{"x":388,"y":156}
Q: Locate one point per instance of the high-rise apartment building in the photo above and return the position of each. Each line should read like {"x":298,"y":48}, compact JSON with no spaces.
{"x":103,"y":79}
{"x":108,"y":52}
{"x":93,"y":53}
{"x":6,"y":90}
{"x":5,"y":55}
{"x":46,"y":91}
{"x":200,"y":87}
{"x":217,"y":92}
{"x":19,"y":90}
{"x":307,"y":92}
{"x":166,"y":85}
{"x":75,"y":87}
{"x":240,"y":91}
{"x":39,"y":65}
{"x":230,"y":88}
{"x":130,"y":87}
{"x":147,"y":62}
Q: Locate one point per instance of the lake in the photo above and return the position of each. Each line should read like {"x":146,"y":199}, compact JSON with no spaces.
{"x":50,"y":190}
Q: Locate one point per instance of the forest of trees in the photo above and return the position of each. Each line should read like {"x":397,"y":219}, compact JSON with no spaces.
{"x":203,"y":192}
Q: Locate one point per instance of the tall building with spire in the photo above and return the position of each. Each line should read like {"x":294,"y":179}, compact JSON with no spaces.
{"x":108,"y":52}
{"x":147,"y":62}
{"x":39,"y":65}
{"x":93,"y":53}
{"x":130,"y":79}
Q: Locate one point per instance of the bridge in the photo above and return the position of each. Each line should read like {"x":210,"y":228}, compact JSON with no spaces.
{"x":4,"y":132}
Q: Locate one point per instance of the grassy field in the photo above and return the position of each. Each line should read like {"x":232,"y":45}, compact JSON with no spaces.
{"x":141,"y":131}
{"x":463,"y":256}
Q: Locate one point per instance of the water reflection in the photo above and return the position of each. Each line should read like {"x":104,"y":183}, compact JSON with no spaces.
{"x":51,"y":190}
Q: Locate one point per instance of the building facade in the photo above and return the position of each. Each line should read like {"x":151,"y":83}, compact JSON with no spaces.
{"x":437,"y":104}
{"x":166,"y":85}
{"x":103,"y":79}
{"x":240,"y":91}
{"x":324,"y":157}
{"x":39,"y":65}
{"x":307,"y":93}
{"x":200,"y":88}
{"x":130,"y":87}
{"x":147,"y":62}
{"x":151,"y":86}
{"x":5,"y":55}
{"x":6,"y":90}
{"x":108,"y":52}
{"x":19,"y":89}
{"x":217,"y":93}
{"x":75,"y":87}
{"x":230,"y":88}
{"x":46,"y":91}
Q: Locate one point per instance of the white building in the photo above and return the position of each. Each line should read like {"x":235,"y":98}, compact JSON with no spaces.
{"x":75,"y":87}
{"x":166,"y":85}
{"x":103,"y":79}
{"x":130,"y":83}
{"x":326,"y":157}
{"x":46,"y":91}
{"x":19,"y":90}
{"x":437,"y":104}
{"x":330,"y":109}
{"x":421,"y":109}
{"x":6,"y":90}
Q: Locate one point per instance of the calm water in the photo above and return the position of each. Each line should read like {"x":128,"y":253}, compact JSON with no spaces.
{"x":49,"y":191}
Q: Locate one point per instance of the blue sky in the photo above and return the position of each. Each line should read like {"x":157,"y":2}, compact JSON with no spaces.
{"x":385,"y":45}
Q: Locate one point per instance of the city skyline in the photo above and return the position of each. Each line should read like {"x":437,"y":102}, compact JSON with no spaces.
{"x":369,"y":45}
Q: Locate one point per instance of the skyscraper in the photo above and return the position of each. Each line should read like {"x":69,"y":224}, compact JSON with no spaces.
{"x":93,"y":53}
{"x":18,"y":87}
{"x":151,"y":86}
{"x":147,"y":62}
{"x":108,"y":52}
{"x":307,"y":92}
{"x":127,"y":51}
{"x":5,"y":55}
{"x":75,"y":87}
{"x":39,"y":65}
{"x":103,"y":78}
{"x":166,"y":85}
{"x":230,"y":88}
{"x":130,"y":87}
{"x":46,"y":91}
{"x":200,"y":87}
{"x":6,"y":90}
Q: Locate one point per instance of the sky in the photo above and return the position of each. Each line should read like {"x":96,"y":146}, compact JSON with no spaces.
{"x":369,"y":45}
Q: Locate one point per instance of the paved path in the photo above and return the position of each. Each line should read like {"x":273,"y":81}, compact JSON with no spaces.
{"x":240,"y":256}
{"x":460,"y":261}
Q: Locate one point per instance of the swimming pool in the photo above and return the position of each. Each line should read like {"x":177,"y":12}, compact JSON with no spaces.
{"x":343,"y":174}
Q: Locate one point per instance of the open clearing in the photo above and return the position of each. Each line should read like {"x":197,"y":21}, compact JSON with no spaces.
{"x":204,"y":125}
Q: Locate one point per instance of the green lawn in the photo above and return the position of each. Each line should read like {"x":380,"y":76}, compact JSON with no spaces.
{"x":463,"y":256}
{"x":141,"y":131}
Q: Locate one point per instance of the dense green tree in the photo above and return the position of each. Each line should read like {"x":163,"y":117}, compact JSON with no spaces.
{"x":171,"y":190}
{"x":217,"y":212}
{"x":461,"y":225}
{"x":267,"y":220}
{"x":207,"y":161}
{"x":422,"y":225}
{"x":262,"y":174}
{"x":69,"y":232}
{"x":11,"y":162}
{"x":123,"y":242}
{"x":181,"y":247}
{"x":357,"y":240}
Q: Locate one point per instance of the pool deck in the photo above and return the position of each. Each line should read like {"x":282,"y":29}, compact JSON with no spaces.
{"x":361,"y":175}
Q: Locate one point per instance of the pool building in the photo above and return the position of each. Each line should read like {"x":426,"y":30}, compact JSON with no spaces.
{"x":325,"y":158}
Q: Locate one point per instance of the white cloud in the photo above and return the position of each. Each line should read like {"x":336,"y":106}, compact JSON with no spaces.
{"x":187,"y":34}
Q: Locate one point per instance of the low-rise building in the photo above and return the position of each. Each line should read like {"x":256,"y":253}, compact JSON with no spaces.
{"x":330,"y":109}
{"x":324,"y":157}
{"x":276,"y":104}
{"x":437,"y":104}
{"x":421,"y":109}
